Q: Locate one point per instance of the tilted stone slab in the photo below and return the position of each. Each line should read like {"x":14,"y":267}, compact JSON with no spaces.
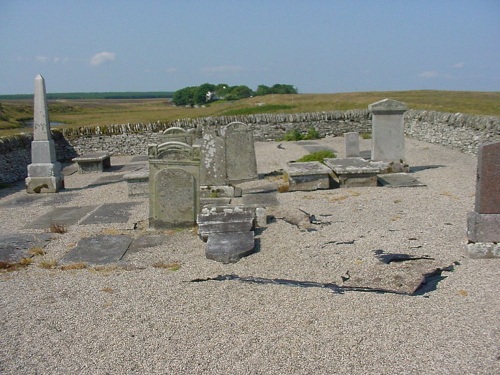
{"x":60,"y":216}
{"x":354,"y":172}
{"x":229,"y":247}
{"x":102,"y":249}
{"x":398,"y":180}
{"x":307,"y":176}
{"x":228,"y":221}
{"x":111,"y":213}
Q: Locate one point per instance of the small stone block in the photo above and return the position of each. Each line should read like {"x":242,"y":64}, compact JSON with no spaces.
{"x":137,"y":184}
{"x":307,"y":176}
{"x":483,"y":227}
{"x":229,"y":247}
{"x":481,"y":250}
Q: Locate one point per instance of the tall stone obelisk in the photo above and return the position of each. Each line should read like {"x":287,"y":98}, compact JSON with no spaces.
{"x":44,"y":172}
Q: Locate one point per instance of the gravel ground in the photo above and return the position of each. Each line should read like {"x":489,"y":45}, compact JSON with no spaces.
{"x":143,"y":319}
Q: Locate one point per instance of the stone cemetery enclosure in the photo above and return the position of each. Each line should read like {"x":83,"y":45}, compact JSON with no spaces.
{"x":173,"y":184}
{"x":44,"y":172}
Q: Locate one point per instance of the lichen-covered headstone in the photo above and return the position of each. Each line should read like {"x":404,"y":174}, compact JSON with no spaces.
{"x":44,"y":172}
{"x":174,"y":173}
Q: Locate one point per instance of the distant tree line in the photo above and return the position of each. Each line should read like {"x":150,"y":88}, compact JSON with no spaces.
{"x":95,"y":95}
{"x":196,"y":95}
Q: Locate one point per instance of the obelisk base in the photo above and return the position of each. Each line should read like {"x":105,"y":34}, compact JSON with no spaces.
{"x":44,"y":178}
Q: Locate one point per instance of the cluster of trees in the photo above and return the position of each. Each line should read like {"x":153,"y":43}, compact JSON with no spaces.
{"x":207,"y":92}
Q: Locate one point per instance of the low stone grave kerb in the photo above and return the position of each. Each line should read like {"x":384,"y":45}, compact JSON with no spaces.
{"x":354,"y":172}
{"x":307,"y":176}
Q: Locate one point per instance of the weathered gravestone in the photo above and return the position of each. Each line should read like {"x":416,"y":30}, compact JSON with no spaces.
{"x":44,"y":172}
{"x":241,"y":162}
{"x":388,"y":134}
{"x":174,"y":173}
{"x":483,"y":224}
{"x":351,"y":144}
{"x":227,"y":157}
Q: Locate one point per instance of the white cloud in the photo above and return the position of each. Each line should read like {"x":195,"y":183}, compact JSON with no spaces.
{"x":170,"y":70}
{"x":42,"y":59}
{"x":429,"y":74}
{"x":459,"y":65}
{"x":222,"y":69}
{"x":102,"y":57}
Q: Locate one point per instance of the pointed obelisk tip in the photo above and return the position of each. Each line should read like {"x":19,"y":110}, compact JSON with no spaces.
{"x":39,"y":77}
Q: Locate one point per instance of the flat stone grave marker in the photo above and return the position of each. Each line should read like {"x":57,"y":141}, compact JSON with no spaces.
{"x":145,"y":241}
{"x":306,"y":176}
{"x":105,"y":180}
{"x":355,"y":172}
{"x":102,"y":249}
{"x":262,"y":199}
{"x":23,"y":200}
{"x":110,"y":213}
{"x":399,"y":180}
{"x":60,"y":215}
{"x":14,"y":247}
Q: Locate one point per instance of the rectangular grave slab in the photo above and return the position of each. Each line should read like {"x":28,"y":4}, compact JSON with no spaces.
{"x":93,"y":162}
{"x":229,"y":247}
{"x":307,"y":176}
{"x":110,"y":213}
{"x":61,"y":216}
{"x":14,"y":247}
{"x":398,"y":180}
{"x":354,"y":172}
{"x":261,"y":199}
{"x":228,"y":221}
{"x":102,"y":249}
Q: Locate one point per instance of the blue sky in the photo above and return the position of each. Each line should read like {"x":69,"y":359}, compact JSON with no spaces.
{"x":318,"y":46}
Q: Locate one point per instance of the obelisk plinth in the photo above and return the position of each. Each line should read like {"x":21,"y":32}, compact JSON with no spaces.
{"x":44,"y":172}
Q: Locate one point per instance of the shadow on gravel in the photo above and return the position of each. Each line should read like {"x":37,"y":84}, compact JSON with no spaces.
{"x":428,"y":284}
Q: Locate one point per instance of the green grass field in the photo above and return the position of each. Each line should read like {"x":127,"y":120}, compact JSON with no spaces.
{"x":92,"y":112}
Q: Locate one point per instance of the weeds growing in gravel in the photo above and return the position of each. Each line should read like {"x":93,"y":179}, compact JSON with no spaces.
{"x":73,"y":266}
{"x":58,"y":228}
{"x":48,"y":264}
{"x":37,"y":250}
{"x":173,"y":266}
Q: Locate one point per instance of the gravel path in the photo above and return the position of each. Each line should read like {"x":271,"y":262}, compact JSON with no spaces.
{"x":143,"y":319}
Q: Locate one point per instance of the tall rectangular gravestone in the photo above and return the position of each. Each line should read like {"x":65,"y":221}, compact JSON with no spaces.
{"x":388,"y":132}
{"x":483,"y":224}
{"x":241,"y":162}
{"x":174,"y":173}
{"x":44,"y":172}
{"x":351,"y":144}
{"x":213,"y":171}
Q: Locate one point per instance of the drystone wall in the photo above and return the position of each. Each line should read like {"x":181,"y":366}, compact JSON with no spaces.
{"x":458,"y":131}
